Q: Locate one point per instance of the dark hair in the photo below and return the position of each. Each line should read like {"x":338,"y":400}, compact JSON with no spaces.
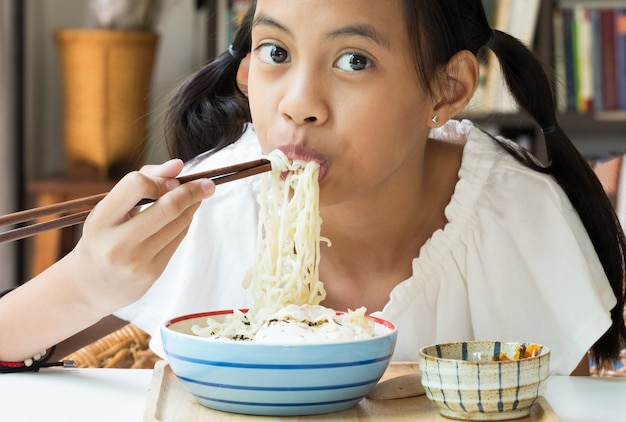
{"x":209,"y":112}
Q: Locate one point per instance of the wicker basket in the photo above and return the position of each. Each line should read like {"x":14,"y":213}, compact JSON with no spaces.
{"x":106,"y":81}
{"x":124,"y":348}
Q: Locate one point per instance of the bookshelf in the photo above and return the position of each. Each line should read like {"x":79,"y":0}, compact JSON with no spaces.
{"x":596,"y":133}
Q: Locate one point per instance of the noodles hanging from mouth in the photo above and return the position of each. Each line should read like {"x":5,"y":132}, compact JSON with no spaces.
{"x":286,"y":268}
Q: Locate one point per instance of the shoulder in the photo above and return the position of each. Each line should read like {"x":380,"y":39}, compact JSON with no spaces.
{"x":492,"y":180}
{"x":505,"y":212}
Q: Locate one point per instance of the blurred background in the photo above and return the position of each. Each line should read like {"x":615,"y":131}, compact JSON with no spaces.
{"x":35,"y":165}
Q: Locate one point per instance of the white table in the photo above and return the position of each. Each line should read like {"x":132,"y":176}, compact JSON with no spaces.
{"x":69,"y":395}
{"x":93,"y":395}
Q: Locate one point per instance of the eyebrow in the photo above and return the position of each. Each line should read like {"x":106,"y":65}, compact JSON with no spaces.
{"x":361,"y":30}
{"x":263,"y":20}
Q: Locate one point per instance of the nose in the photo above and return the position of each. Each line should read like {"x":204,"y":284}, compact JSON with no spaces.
{"x":304,"y":101}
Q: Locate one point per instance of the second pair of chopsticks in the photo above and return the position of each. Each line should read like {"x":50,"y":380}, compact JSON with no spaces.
{"x":80,"y":208}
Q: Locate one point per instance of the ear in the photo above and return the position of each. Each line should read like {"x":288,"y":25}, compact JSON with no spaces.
{"x":456,"y":86}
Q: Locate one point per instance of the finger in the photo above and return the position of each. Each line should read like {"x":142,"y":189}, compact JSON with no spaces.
{"x":164,"y":177}
{"x":173,"y":207}
{"x":162,"y":257}
{"x":168,"y":169}
{"x":150,"y":182}
{"x":170,"y":239}
{"x":156,"y":260}
{"x":156,"y":250}
{"x":115,"y":207}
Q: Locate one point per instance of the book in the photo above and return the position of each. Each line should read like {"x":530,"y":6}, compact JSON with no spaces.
{"x":523,"y":20}
{"x":620,"y":56}
{"x":569,"y":48}
{"x":559,"y":61}
{"x":593,"y":45}
{"x":609,"y":82}
{"x":596,"y":59}
{"x":582,"y":61}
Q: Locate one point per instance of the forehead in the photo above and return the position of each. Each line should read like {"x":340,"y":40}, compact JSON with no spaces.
{"x":380,"y":20}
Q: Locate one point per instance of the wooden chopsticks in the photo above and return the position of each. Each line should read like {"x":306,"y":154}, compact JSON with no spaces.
{"x":80,"y":208}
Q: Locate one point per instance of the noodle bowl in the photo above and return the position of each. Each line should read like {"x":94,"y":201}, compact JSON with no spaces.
{"x":260,"y":378}
{"x":308,"y":359}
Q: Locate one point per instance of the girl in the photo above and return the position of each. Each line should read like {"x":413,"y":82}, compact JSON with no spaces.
{"x":435,"y":225}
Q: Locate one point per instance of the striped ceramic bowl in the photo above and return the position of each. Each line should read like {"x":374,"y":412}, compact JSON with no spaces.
{"x":269,"y":379}
{"x":466,"y":382}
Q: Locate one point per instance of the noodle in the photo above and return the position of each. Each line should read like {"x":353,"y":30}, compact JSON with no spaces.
{"x":286,"y":267}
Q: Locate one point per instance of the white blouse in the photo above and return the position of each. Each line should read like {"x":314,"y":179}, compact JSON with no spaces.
{"x":514,"y":261}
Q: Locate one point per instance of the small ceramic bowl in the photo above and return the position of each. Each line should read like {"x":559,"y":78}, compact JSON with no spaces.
{"x":269,"y":379}
{"x":466,"y":382}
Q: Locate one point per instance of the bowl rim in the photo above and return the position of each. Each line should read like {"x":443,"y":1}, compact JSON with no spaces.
{"x":168,"y":324}
{"x":545,"y":352}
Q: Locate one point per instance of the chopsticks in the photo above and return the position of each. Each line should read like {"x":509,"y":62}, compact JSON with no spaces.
{"x":82,"y":207}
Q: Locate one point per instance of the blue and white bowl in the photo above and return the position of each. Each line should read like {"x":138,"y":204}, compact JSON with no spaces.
{"x":269,"y":379}
{"x":465,"y":383}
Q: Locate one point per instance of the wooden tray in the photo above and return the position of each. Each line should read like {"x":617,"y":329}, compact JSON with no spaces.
{"x":168,"y":401}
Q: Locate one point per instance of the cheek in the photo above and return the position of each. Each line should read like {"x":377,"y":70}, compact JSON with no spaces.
{"x":253,"y":95}
{"x":260,"y":110}
{"x":389,"y":122}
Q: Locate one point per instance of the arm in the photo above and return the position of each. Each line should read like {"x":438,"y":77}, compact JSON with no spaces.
{"x":582,"y":370}
{"x":122,"y":252}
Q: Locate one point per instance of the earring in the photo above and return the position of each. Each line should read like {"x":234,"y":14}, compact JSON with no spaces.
{"x":435,"y":119}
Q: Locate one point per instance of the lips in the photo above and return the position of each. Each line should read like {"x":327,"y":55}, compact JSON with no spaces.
{"x":299,"y":152}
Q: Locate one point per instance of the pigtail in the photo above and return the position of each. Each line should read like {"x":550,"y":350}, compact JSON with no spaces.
{"x":208,"y":111}
{"x":531,"y":88}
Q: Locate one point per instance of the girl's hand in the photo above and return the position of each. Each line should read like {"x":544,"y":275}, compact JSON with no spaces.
{"x":124,"y":249}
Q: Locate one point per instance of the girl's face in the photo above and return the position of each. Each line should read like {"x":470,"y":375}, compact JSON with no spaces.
{"x":334,"y":80}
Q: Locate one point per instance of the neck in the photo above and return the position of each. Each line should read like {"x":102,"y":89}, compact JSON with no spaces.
{"x":375,"y":238}
{"x":390,"y":219}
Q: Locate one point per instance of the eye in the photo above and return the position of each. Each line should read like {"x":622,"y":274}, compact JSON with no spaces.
{"x":273,"y":54}
{"x":353,"y":62}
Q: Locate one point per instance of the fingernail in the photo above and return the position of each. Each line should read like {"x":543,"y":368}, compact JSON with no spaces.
{"x":207,"y":186}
